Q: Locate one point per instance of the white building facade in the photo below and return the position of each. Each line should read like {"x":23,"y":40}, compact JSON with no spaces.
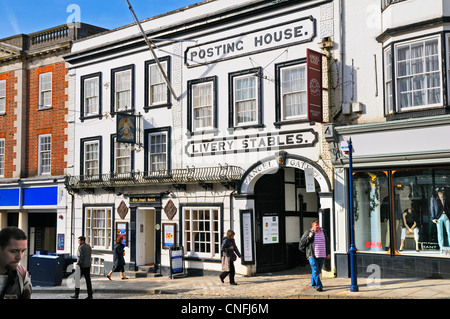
{"x":396,"y":103}
{"x":239,"y":143}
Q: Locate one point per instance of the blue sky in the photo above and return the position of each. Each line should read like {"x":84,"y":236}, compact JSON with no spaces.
{"x":28,"y":16}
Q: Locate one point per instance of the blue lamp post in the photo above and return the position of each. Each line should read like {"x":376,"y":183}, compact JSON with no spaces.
{"x":352,"y":250}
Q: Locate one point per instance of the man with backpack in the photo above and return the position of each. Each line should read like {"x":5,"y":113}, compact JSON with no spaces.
{"x":314,"y":243}
{"x":15,"y":282}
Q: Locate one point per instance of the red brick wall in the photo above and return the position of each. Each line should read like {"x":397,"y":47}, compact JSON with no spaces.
{"x":48,"y":121}
{"x":7,"y":129}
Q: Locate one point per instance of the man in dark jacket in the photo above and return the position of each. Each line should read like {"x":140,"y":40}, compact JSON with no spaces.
{"x":84,"y":265}
{"x":15,"y":282}
{"x":317,"y":250}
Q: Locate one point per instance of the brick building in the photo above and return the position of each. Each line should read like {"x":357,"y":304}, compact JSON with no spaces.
{"x":33,"y":133}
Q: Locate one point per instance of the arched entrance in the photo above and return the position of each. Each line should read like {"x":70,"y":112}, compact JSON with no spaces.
{"x":284,"y":202}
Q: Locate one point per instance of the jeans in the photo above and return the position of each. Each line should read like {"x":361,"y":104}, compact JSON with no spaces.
{"x":316,"y":267}
{"x":443,"y":221}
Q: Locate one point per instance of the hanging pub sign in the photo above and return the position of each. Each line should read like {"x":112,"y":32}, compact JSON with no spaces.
{"x":314,"y":83}
{"x":126,"y":128}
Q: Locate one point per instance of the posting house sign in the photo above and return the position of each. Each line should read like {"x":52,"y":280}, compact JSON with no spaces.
{"x":274,"y":37}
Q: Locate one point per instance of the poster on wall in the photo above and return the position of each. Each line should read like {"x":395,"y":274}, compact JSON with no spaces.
{"x":270,"y":230}
{"x":247,"y":236}
{"x":169,"y":235}
{"x":122,"y":230}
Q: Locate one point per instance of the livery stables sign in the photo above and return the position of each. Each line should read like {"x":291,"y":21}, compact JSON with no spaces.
{"x":252,"y":143}
{"x":274,"y":37}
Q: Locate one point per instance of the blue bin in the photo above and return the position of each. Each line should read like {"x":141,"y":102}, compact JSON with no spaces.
{"x":46,"y":270}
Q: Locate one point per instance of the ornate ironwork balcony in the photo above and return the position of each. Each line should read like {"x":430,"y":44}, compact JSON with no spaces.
{"x":226,"y":175}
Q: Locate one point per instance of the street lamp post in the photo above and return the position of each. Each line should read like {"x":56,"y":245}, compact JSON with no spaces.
{"x":352,"y":250}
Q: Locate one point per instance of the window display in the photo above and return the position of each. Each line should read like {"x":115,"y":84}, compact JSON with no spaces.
{"x":406,"y":210}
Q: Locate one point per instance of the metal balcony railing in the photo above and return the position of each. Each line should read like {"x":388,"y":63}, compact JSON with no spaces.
{"x":194,"y":175}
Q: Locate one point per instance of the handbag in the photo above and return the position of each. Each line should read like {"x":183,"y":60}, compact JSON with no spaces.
{"x":225,"y":262}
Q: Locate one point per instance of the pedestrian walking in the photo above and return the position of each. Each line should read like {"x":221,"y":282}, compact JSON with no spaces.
{"x":15,"y":281}
{"x":315,"y":242}
{"x":84,"y":264}
{"x":118,"y":260}
{"x":229,"y":251}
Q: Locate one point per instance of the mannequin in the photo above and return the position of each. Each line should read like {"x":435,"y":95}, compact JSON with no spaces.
{"x":440,"y":210}
{"x":410,"y":224}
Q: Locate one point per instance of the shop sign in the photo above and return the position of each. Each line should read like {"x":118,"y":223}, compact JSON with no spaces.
{"x":270,"y":230}
{"x":272,"y":166}
{"x":314,"y":81}
{"x":149,"y":200}
{"x":252,"y":143}
{"x":247,"y":236}
{"x":270,"y":38}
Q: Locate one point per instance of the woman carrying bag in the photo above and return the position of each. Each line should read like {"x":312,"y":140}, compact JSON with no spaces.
{"x":229,"y":252}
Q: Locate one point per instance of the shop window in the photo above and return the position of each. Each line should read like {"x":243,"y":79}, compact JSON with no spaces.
{"x":371,"y":211}
{"x":418,"y":192}
{"x":98,"y":221}
{"x":201,"y":231}
{"x":406,"y":214}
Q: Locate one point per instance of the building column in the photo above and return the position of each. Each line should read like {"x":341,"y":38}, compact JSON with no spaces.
{"x":3,"y":219}
{"x":23,"y":224}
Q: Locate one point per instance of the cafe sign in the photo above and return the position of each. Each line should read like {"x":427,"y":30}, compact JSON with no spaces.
{"x":276,"y":36}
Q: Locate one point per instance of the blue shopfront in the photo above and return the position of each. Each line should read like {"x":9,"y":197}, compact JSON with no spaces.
{"x":40,"y":209}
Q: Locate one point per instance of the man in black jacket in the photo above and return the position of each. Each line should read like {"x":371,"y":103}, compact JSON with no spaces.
{"x":84,"y":264}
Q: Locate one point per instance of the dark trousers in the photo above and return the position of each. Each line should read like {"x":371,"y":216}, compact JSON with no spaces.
{"x":231,"y":272}
{"x":86,"y":272}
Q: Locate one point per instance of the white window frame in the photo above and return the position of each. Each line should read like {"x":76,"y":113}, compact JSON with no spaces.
{"x":156,"y":82}
{"x":98,"y":226}
{"x":87,"y":160}
{"x":88,"y":96}
{"x":127,"y":87}
{"x":254,"y":97}
{"x":2,"y":96}
{"x":162,"y":164}
{"x":45,"y":150}
{"x":45,"y":90}
{"x":388,"y":81}
{"x":203,"y":102}
{"x":301,"y":91}
{"x":193,"y":241}
{"x":2,"y":157}
{"x":120,"y":156}
{"x":409,"y":62}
